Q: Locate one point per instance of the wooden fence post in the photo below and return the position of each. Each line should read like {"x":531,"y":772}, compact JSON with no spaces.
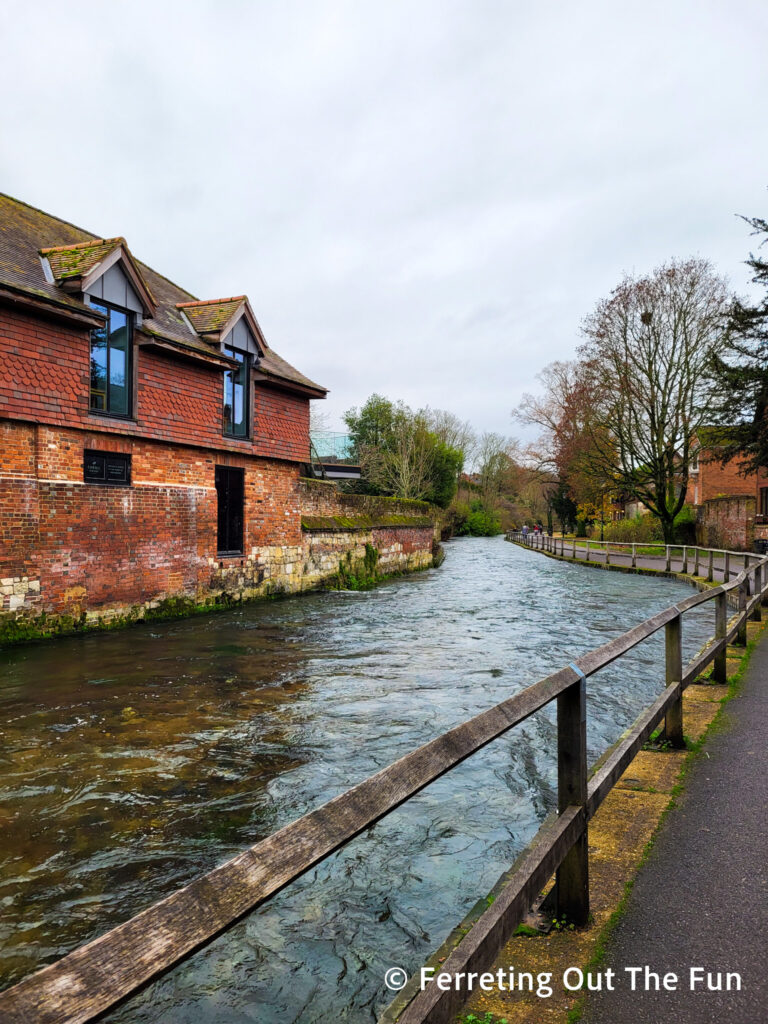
{"x":669,"y":559}
{"x":711,"y":567}
{"x":719,"y":673}
{"x":696,"y":561}
{"x":574,"y":546}
{"x":573,"y":873}
{"x":741,"y":636}
{"x":674,"y":673}
{"x":607,"y":553}
{"x":727,"y":568}
{"x":757,"y":612}
{"x":685,"y":559}
{"x":634,"y":555}
{"x":587,"y":551}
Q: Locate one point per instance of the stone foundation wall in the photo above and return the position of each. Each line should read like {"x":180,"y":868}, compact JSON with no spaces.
{"x":727,"y":522}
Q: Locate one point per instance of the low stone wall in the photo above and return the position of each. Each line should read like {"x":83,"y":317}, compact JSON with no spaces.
{"x":727,"y":522}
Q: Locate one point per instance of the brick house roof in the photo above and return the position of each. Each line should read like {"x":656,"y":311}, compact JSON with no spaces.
{"x":210,"y":315}
{"x":76,"y":260}
{"x":27,"y":235}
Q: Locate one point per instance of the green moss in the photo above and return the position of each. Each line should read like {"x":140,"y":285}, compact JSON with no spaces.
{"x":362,"y":522}
{"x":356,"y":574}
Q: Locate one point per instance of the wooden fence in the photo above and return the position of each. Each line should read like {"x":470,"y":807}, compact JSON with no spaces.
{"x":84,"y":985}
{"x":691,"y":557}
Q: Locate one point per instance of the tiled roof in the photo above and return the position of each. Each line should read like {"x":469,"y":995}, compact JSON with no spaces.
{"x":210,"y":315}
{"x":78,"y":259}
{"x":25,"y":232}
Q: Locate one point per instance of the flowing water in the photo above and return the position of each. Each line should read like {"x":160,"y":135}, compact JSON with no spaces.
{"x":133,"y":761}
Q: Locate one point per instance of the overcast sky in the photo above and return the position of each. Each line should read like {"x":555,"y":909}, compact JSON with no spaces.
{"x":421,"y":199}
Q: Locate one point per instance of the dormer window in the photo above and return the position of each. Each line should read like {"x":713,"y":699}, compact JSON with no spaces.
{"x":112,"y":361}
{"x":237,"y":394}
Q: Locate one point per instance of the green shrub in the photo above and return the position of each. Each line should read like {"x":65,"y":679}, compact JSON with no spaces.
{"x":646,"y":528}
{"x":477,"y":521}
{"x":641,"y":528}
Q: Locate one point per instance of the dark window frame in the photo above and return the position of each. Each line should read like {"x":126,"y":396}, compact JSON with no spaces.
{"x":98,"y":304}
{"x":246,"y":364}
{"x":763,"y":507}
{"x":230,"y":510}
{"x":110,"y":459}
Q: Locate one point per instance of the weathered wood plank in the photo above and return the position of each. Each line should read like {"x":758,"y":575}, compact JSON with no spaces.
{"x":594,"y":660}
{"x":573,"y":873}
{"x":674,"y":674}
{"x":94,"y":977}
{"x":621,"y":756}
{"x":479,"y":947}
{"x":700,"y":662}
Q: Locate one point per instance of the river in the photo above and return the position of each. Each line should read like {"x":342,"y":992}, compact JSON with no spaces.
{"x":133,"y":761}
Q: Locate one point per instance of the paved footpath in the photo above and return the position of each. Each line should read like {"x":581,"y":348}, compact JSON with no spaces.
{"x":701,"y":899}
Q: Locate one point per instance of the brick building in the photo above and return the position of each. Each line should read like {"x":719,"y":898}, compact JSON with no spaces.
{"x":150,"y":442}
{"x":732,"y":504}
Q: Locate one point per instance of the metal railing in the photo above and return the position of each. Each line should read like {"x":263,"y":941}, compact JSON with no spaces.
{"x":85,"y":984}
{"x":333,"y":447}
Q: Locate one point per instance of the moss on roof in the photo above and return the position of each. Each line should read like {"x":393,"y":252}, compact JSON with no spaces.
{"x":211,"y":315}
{"x":79,"y":259}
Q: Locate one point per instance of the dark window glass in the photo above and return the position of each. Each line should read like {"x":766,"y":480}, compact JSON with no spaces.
{"x":237,"y":394}
{"x":230,"y":492}
{"x":107,"y":468}
{"x":111,"y":362}
{"x":764,"y":501}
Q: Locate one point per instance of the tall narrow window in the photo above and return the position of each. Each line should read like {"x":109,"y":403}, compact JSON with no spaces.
{"x":764,"y":501}
{"x":230,"y":491}
{"x":111,"y":369}
{"x":237,"y":394}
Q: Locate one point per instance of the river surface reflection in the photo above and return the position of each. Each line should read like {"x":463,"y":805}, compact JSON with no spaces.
{"x":133,"y":761}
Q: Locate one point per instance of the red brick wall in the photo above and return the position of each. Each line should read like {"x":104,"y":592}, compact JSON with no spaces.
{"x":727,"y":523}
{"x":714,"y":480}
{"x":98,"y":547}
{"x":320,"y":498}
{"x":44,"y":378}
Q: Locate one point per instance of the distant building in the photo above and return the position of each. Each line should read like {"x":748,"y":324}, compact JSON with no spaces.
{"x":732,"y":505}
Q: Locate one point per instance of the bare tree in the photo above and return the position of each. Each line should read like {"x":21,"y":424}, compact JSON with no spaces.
{"x":566,"y":412}
{"x":405,"y":466}
{"x":451,"y":430}
{"x":496,"y":467}
{"x":647,"y":349}
{"x":319,"y":419}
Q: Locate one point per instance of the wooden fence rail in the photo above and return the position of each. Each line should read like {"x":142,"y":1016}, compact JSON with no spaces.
{"x":85,"y":984}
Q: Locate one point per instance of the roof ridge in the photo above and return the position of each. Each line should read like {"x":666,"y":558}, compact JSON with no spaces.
{"x":211,"y":302}
{"x":84,"y":245}
{"x":29,"y":206}
{"x":94,"y":237}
